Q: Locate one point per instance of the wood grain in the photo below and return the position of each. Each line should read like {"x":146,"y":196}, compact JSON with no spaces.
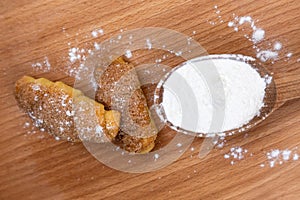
{"x":288,"y":86}
{"x":35,"y":166}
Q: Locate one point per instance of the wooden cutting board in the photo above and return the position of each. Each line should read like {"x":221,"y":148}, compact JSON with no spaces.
{"x":36,"y":166}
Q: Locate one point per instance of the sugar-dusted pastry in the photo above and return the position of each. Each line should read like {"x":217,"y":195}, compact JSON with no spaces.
{"x":65,"y":112}
{"x":119,"y":89}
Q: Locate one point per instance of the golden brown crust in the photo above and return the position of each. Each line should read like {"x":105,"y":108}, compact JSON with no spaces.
{"x":136,"y":144}
{"x":117,"y":83}
{"x":52,"y":107}
{"x":138,"y":108}
{"x":108,"y":77}
{"x":112,"y":119}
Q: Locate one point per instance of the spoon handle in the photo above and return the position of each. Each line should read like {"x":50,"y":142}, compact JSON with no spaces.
{"x":288,"y":86}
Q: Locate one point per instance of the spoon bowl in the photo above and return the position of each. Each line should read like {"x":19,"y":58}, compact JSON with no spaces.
{"x":277,"y":91}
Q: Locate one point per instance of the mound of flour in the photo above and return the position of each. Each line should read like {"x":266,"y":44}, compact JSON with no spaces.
{"x":237,"y":89}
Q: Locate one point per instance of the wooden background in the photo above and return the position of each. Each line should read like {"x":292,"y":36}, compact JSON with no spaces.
{"x":35,"y":166}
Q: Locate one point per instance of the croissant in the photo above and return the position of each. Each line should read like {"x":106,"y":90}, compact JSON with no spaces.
{"x":65,"y":112}
{"x":119,"y":89}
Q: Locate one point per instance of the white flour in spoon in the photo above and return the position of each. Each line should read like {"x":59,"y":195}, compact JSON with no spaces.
{"x":244,"y":91}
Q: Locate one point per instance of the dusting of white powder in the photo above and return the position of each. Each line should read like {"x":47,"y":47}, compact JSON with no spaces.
{"x":96,"y":32}
{"x":74,"y":54}
{"x":258,"y":35}
{"x":128,"y":54}
{"x":236,"y":154}
{"x":289,"y":54}
{"x":44,"y":66}
{"x":97,"y":46}
{"x":265,"y":55}
{"x":277,"y":46}
{"x":148,"y":44}
{"x":244,"y":19}
{"x":244,"y":93}
{"x":278,"y":157}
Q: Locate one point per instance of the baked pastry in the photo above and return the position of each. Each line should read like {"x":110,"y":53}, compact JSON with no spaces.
{"x":119,"y":89}
{"x":65,"y":112}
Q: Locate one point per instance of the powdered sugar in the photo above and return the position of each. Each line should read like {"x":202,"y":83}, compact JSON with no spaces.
{"x":244,"y":91}
{"x":258,"y":35}
{"x":277,"y":46}
{"x":43,"y":66}
{"x":244,"y":19}
{"x":75,"y":54}
{"x":289,"y":54}
{"x":96,"y":46}
{"x":96,"y":32}
{"x":266,"y":55}
{"x":148,"y":44}
{"x":296,"y":156}
{"x":219,"y":17}
{"x":128,"y":54}
{"x":236,"y":153}
{"x":156,"y":156}
{"x":278,"y":157}
{"x":220,"y":143}
{"x":230,"y":24}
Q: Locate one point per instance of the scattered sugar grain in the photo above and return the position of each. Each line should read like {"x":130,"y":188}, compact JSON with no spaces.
{"x":280,"y":156}
{"x":258,"y":35}
{"x":286,"y":154}
{"x":277,"y":46}
{"x":128,"y":54}
{"x":73,"y":54}
{"x":35,"y":87}
{"x":96,"y":46}
{"x":244,"y":19}
{"x":44,"y":65}
{"x":296,"y":156}
{"x":289,"y":55}
{"x":26,"y":124}
{"x":266,"y":55}
{"x":148,"y":43}
{"x":94,"y":34}
{"x":230,"y":24}
{"x":158,"y":61}
{"x":178,"y":53}
{"x":236,"y":154}
{"x":268,"y":79}
{"x":179,"y":145}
